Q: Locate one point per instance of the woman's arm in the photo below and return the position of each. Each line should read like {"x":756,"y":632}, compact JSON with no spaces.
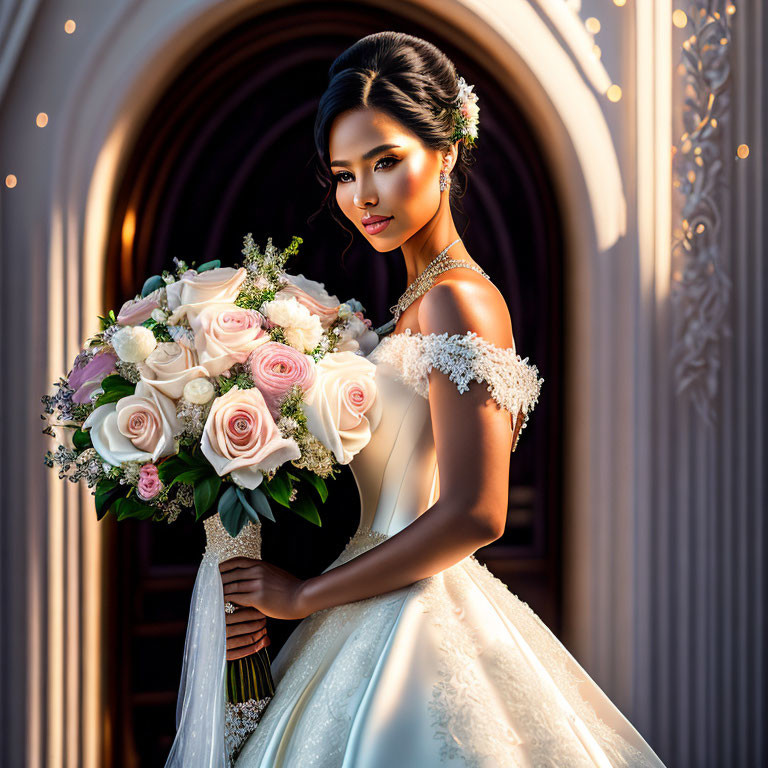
{"x":473,"y":440}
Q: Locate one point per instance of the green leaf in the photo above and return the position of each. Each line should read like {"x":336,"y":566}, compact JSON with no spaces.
{"x":232,"y":513}
{"x":170,"y":467}
{"x":152,"y":284}
{"x":81,"y":439}
{"x":107,"y":493}
{"x":305,"y":507}
{"x":259,"y":502}
{"x":317,"y":482}
{"x":250,"y":511}
{"x":115,"y":388}
{"x":125,"y":508}
{"x":116,"y":381}
{"x":279,"y":488}
{"x":191,"y":476}
{"x":205,"y":494}
{"x":255,"y":503}
{"x":215,"y":264}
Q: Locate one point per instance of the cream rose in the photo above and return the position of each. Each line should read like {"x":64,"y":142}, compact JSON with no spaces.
{"x":302,"y":329}
{"x":241,"y":438}
{"x":313,"y":296}
{"x":170,"y":367}
{"x":222,"y":284}
{"x":342,"y":407}
{"x":139,"y":427}
{"x":224,"y":333}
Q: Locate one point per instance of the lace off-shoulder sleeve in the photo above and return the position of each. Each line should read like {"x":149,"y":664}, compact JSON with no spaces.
{"x":512,"y":381}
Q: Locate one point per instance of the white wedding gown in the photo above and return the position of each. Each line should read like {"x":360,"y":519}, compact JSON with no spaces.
{"x":453,"y":670}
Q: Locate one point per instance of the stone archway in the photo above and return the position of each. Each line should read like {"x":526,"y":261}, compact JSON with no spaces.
{"x":513,"y":42}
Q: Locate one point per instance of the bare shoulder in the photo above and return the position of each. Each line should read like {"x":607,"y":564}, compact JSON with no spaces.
{"x":466,"y":301}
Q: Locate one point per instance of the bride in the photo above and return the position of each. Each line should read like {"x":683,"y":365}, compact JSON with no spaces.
{"x":410,"y":652}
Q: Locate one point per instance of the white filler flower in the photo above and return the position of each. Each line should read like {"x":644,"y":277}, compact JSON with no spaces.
{"x":198,"y":391}
{"x":302,"y":329}
{"x":134,"y":343}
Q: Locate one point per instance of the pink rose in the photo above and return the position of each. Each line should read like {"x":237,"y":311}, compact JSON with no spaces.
{"x":149,"y":482}
{"x":342,"y":407}
{"x":224,"y":334}
{"x":311,"y":295}
{"x":136,"y":311}
{"x":276,"y":367}
{"x":86,"y":377}
{"x":242,"y":439}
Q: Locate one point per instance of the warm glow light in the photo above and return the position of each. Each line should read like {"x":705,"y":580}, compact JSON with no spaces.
{"x":41,"y":120}
{"x":620,"y":3}
{"x":129,"y":229}
{"x":10,"y":181}
{"x":731,"y":9}
{"x":680,"y":19}
{"x":613,"y":93}
{"x":596,"y":50}
{"x":69,"y":26}
{"x":742,"y":151}
{"x":592,"y":24}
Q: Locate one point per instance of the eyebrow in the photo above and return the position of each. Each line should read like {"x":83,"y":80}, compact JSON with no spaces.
{"x":368,"y":155}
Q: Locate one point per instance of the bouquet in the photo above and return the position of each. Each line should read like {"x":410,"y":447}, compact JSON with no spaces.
{"x":218,"y":391}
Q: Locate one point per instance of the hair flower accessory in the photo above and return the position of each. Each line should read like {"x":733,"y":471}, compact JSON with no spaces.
{"x":466,"y":114}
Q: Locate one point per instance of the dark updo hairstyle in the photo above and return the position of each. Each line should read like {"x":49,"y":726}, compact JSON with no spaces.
{"x":411,"y":80}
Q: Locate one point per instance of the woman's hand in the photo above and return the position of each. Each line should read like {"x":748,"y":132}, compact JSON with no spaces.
{"x":257,"y":584}
{"x":246,"y":633}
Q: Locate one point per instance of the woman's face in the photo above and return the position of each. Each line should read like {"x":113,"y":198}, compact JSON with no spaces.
{"x":382,"y":169}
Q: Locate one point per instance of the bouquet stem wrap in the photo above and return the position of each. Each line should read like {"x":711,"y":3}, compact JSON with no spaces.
{"x":220,"y":702}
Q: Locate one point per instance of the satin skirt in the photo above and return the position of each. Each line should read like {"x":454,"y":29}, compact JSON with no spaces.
{"x":454,"y":670}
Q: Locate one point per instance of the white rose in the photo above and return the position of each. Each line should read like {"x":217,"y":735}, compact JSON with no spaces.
{"x":133,"y":343}
{"x":342,"y":406}
{"x":316,"y":290}
{"x":170,"y":367}
{"x":198,"y":391}
{"x":302,"y":329}
{"x":139,"y":427}
{"x":224,"y":333}
{"x":222,"y":284}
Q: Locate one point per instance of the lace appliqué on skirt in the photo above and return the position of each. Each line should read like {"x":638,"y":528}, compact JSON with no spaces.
{"x":487,"y":684}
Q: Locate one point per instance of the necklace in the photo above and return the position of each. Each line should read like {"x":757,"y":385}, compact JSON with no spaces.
{"x":423,"y":282}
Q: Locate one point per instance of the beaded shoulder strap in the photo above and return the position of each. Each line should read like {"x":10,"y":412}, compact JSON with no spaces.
{"x":512,"y":381}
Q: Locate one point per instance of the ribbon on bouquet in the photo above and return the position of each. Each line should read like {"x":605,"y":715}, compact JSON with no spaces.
{"x":220,"y":702}
{"x":200,"y":738}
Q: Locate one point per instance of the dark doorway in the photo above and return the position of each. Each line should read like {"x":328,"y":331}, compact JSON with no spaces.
{"x":226,"y":151}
